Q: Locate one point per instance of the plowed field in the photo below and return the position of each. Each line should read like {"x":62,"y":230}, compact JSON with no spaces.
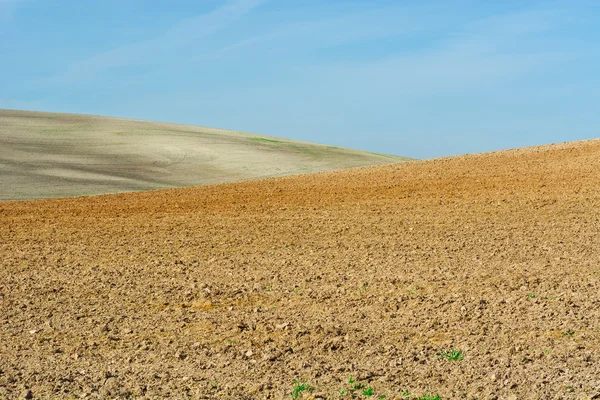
{"x":468,"y":277}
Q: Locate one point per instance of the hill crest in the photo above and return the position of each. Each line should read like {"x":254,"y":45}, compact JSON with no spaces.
{"x":48,"y":155}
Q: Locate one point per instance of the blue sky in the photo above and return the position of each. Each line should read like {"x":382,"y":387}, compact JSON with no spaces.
{"x":416,"y":78}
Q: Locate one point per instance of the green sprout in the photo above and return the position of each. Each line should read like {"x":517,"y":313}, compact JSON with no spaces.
{"x":452,"y":355}
{"x":299,"y":388}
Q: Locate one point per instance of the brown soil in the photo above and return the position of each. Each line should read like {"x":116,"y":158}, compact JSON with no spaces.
{"x":235,"y":291}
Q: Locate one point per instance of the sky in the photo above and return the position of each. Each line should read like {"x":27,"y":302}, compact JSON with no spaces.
{"x":421,"y":78}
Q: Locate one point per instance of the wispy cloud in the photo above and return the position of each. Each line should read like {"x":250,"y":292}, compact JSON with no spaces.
{"x":376,"y":22}
{"x":160,"y":48}
{"x":453,"y":50}
{"x":475,"y":55}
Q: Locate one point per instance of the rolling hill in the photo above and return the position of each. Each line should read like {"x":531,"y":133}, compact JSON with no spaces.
{"x":471,"y":277}
{"x":45,"y":155}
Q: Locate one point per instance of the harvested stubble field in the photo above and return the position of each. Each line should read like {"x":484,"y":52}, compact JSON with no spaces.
{"x":50,"y":155}
{"x":238,"y":290}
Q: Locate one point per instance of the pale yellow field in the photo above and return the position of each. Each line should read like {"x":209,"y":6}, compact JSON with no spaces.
{"x":45,"y":155}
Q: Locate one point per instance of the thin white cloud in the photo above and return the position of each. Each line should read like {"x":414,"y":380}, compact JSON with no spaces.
{"x":442,"y":31}
{"x":181,"y":35}
{"x":369,"y":24}
{"x":457,"y":52}
{"x":482,"y":53}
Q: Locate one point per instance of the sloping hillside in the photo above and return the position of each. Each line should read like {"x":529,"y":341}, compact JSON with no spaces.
{"x":474,"y":277}
{"x":45,"y":155}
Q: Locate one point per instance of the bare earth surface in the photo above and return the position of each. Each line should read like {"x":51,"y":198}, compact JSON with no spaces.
{"x":236,"y":291}
{"x":48,"y":155}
